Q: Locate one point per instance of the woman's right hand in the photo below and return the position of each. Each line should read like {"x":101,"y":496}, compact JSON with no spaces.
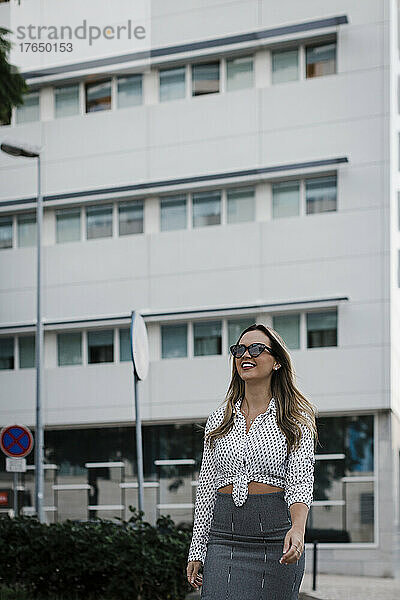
{"x":194,"y":577}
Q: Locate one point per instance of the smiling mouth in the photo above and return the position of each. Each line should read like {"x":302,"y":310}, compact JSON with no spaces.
{"x":247,"y":366}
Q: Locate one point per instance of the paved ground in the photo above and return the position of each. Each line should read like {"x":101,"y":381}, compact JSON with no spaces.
{"x":342,"y":587}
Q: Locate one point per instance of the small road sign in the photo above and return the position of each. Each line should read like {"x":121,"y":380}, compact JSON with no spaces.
{"x":16,"y":441}
{"x":139,"y":345}
{"x":15,"y":465}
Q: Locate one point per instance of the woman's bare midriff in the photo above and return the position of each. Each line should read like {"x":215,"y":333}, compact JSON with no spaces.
{"x":254,"y":487}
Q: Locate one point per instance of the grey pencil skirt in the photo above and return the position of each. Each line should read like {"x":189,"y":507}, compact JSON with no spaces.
{"x":244,"y":546}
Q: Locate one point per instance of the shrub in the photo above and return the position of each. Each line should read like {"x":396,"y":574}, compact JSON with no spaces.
{"x":97,"y":559}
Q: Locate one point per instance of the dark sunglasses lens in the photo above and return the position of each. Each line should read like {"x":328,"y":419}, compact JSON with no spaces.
{"x":256,"y":349}
{"x":237,"y":350}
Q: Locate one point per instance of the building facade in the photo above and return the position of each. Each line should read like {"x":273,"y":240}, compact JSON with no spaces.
{"x":244,"y":170}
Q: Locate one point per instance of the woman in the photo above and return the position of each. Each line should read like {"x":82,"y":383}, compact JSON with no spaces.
{"x":256,"y":479}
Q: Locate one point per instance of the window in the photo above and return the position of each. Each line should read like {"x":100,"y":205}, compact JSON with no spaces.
{"x":125,"y":345}
{"x":320,"y":60}
{"x":344,"y":484}
{"x":174,"y":341}
{"x":26,"y":346}
{"x":205,"y":78}
{"x":6,"y":353}
{"x":98,"y":96}
{"x":6,"y":233}
{"x":130,"y":217}
{"x":288,"y":327}
{"x":285,"y":199}
{"x":241,"y":205}
{"x":100,"y":346}
{"x":239,"y":73}
{"x":66,"y":100}
{"x":321,"y":329}
{"x":68,"y":225}
{"x":98,"y":221}
{"x":166,"y":441}
{"x":285,"y":65}
{"x":172,"y":84}
{"x":236,"y":326}
{"x":173,"y":213}
{"x":69,"y":347}
{"x":29,"y":110}
{"x":207,"y":338}
{"x":129,"y":90}
{"x":206,"y":208}
{"x":321,"y":194}
{"x":26,"y":226}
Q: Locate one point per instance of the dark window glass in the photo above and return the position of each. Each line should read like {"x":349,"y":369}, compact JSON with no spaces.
{"x":129,"y":90}
{"x":206,"y":208}
{"x":68,"y":225}
{"x":72,"y":448}
{"x":288,"y":326}
{"x":174,"y":341}
{"x":321,"y":194}
{"x":124,"y":345}
{"x":98,"y":221}
{"x":130,"y":217}
{"x":173,"y":213}
{"x":69,"y":347}
{"x":207,"y":338}
{"x":5,"y":232}
{"x":30,"y":109}
{"x":66,"y":100}
{"x":205,"y":78}
{"x":7,"y":353}
{"x":100,"y":346}
{"x":321,"y":60}
{"x":27,"y":229}
{"x":172,"y":84}
{"x":26,"y":351}
{"x":321,"y":329}
{"x":345,"y":478}
{"x":98,"y":96}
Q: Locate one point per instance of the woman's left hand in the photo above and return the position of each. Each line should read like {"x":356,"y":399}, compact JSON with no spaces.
{"x":293,"y":546}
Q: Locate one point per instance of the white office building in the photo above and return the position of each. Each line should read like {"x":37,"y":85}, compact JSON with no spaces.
{"x":244,"y":170}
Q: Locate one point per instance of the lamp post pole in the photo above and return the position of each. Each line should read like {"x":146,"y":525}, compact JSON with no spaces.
{"x":39,"y":446}
{"x":29,"y":151}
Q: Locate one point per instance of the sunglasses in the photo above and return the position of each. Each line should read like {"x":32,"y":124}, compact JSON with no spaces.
{"x":254,"y":349}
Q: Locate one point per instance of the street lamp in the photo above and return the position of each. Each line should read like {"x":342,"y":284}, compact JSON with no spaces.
{"x":30,"y":151}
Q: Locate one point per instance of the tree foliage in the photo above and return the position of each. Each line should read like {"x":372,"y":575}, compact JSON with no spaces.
{"x":12,"y":84}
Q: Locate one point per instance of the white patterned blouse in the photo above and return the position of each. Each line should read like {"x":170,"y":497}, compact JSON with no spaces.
{"x":240,"y":457}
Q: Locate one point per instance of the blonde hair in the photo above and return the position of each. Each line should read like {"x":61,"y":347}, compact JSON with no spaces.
{"x":290,"y":402}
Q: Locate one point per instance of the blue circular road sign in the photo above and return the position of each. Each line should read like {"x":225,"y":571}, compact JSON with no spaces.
{"x":16,"y":441}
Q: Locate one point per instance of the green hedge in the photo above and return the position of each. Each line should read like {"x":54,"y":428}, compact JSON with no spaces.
{"x":98,"y":559}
